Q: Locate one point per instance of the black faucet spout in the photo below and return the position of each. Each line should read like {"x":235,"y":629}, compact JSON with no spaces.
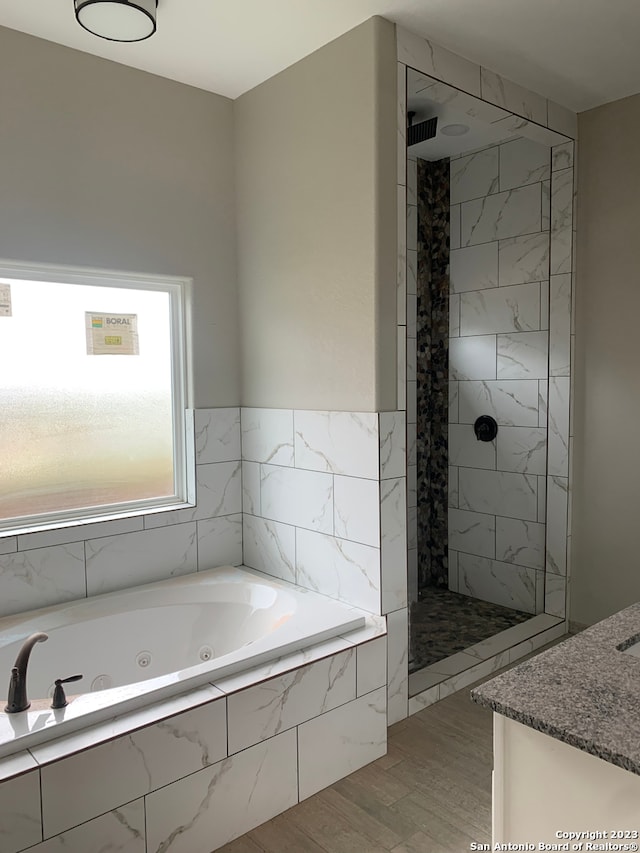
{"x":17,"y":698}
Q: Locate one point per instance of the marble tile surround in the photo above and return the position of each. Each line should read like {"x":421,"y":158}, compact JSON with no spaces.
{"x":521,"y":259}
{"x":182,"y":781}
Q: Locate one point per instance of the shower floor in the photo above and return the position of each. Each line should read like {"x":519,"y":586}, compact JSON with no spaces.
{"x":445,"y":622}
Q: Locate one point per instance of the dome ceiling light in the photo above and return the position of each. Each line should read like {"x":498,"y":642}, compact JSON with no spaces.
{"x":118,"y":20}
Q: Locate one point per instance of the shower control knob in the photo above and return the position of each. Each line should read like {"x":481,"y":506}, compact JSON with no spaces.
{"x":485,"y":428}
{"x":59,"y":699}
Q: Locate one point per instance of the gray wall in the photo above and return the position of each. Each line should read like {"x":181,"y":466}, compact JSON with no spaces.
{"x":106,"y":166}
{"x":606,"y":504}
{"x":316,"y":200}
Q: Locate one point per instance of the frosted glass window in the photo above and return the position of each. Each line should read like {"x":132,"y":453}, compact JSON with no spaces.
{"x":85,"y":434}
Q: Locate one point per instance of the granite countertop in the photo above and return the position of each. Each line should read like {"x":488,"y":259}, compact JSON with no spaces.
{"x":584,"y":691}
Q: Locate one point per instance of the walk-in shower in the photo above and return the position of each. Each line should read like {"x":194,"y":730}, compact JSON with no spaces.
{"x":487,"y":341}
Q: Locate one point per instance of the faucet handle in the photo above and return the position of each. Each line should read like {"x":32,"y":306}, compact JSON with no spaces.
{"x":59,"y":699}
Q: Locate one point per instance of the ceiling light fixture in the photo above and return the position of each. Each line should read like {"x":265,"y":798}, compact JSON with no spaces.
{"x":118,"y":20}
{"x":455,"y":129}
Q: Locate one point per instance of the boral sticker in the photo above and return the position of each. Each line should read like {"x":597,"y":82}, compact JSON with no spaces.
{"x":5,"y":300}
{"x":111,"y":334}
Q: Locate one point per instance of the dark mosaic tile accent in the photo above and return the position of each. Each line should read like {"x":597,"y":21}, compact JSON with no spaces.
{"x":433,"y":372}
{"x":445,"y":622}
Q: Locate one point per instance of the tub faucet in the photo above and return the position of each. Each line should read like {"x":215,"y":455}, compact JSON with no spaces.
{"x":17,"y":699}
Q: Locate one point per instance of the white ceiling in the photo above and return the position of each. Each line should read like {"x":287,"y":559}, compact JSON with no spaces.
{"x":581,"y":53}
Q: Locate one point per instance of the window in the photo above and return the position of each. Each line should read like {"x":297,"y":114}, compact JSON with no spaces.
{"x":92,"y":395}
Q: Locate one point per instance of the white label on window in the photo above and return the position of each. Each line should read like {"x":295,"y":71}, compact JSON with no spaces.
{"x":111,"y":334}
{"x":5,"y":300}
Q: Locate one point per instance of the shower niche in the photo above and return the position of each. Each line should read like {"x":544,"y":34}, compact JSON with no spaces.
{"x":489,"y":225}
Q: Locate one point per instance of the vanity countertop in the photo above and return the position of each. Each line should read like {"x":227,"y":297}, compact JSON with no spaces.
{"x":583,"y":691}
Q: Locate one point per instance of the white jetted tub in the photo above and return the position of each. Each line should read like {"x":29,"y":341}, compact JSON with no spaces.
{"x":144,"y":644}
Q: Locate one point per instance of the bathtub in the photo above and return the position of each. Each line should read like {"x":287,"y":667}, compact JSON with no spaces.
{"x":142,"y":645}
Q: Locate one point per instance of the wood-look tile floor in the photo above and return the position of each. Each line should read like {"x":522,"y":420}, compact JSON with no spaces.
{"x":431,"y":793}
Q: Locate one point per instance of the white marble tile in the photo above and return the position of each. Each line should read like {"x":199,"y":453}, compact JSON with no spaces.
{"x":251,"y":488}
{"x":298,"y":497}
{"x":500,"y":583}
{"x":522,"y":449}
{"x":397,"y":665}
{"x":401,"y":122}
{"x":555,"y":595}
{"x":267,"y":435}
{"x":474,"y":176}
{"x":218,"y":491}
{"x":217,"y":435}
{"x":520,"y":542}
{"x":343,"y":740}
{"x":424,"y":699}
{"x":561,"y":249}
{"x":455,"y":226}
{"x":401,"y":259}
{"x":411,"y":400}
{"x":375,"y":626}
{"x":522,"y":355}
{"x":41,"y":577}
{"x":393,"y":533}
{"x":560,"y":330}
{"x":20,"y":823}
{"x":16,"y":765}
{"x":473,"y":357}
{"x":270,"y":547}
{"x":500,"y":493}
{"x":412,"y":272}
{"x":118,"y":831}
{"x":78,"y":533}
{"x":453,"y":487}
{"x":474,"y":267}
{"x":430,"y":58}
{"x":412,"y":314}
{"x":518,"y":126}
{"x":561,"y":199}
{"x":510,"y":402}
{"x":546,"y":206}
{"x":357,"y":510}
{"x":502,"y":92}
{"x":522,"y":162}
{"x":442,"y":93}
{"x":544,"y":305}
{"x":220,"y":541}
{"x":131,"y":766}
{"x":557,"y":500}
{"x":523,"y":259}
{"x":454,"y":396}
{"x":371,"y":666}
{"x":562,"y":156}
{"x":452,"y":565}
{"x":480,"y":670}
{"x":262,"y":711}
{"x":340,"y":569}
{"x":412,"y":575}
{"x":543,"y":398}
{"x":206,"y":810}
{"x":411,"y":359}
{"x":285,"y":664}
{"x":465,"y":449}
{"x":403,"y":398}
{"x":454,"y":315}
{"x":500,"y":309}
{"x":563,"y":120}
{"x":411,"y":444}
{"x":453,"y":664}
{"x":472,"y":532}
{"x":505,"y":214}
{"x":559,"y":426}
{"x":541,"y":639}
{"x":412,"y":228}
{"x":392,"y":437}
{"x":118,"y":562}
{"x":8,"y":544}
{"x":542,"y":499}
